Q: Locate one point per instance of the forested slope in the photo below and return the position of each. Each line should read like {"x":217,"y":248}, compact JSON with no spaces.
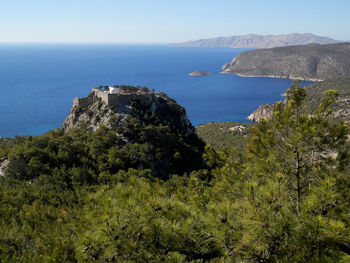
{"x":82,"y":195}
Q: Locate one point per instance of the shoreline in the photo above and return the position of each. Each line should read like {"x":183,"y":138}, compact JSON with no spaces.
{"x":271,"y":76}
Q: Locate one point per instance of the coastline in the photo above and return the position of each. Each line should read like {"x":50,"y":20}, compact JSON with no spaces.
{"x":271,"y":76}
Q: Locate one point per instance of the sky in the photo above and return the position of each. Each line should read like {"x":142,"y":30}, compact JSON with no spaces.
{"x":167,"y":21}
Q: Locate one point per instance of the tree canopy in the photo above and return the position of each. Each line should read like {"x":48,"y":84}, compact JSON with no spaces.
{"x":83,"y":196}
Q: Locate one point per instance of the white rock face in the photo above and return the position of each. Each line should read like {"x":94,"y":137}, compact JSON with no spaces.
{"x":239,"y":128}
{"x":3,"y":166}
{"x":265,"y":111}
{"x":113,"y":90}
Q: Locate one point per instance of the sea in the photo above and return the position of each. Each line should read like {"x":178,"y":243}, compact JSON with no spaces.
{"x":39,"y":81}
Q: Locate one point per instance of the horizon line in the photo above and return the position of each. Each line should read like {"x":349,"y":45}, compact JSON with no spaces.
{"x":120,"y":43}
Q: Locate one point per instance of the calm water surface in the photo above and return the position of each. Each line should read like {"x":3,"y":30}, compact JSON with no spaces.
{"x":39,"y":82}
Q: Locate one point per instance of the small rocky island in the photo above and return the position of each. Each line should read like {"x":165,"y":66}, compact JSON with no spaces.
{"x":199,"y":73}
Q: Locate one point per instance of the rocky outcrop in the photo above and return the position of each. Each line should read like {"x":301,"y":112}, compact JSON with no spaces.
{"x":307,"y":62}
{"x":199,"y":74}
{"x":150,"y":129}
{"x":264,"y":111}
{"x":4,"y":163}
{"x":258,"y":41}
{"x":110,"y":110}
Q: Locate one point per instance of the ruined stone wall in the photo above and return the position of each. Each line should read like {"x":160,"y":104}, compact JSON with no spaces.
{"x":83,"y":102}
{"x":121,"y":99}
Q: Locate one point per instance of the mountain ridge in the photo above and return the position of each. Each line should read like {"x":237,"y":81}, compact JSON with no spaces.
{"x":258,"y":41}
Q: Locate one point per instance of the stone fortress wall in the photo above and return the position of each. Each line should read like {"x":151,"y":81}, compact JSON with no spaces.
{"x":83,"y":102}
{"x":113,"y":99}
{"x":121,"y":97}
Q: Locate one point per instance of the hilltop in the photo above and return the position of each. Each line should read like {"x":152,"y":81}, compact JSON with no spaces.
{"x":306,"y":62}
{"x":114,"y":106}
{"x":258,"y":41}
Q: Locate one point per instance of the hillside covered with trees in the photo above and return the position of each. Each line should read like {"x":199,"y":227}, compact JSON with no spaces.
{"x":90,"y":196}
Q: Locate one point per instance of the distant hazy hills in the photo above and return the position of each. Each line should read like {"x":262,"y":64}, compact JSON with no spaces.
{"x":258,"y":41}
{"x":309,"y":62}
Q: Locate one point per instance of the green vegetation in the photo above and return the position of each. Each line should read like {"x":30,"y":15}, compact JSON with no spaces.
{"x":92,"y":197}
{"x":341,"y":107}
{"x":221,"y":135}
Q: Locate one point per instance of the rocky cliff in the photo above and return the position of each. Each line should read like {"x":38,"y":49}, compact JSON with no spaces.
{"x":93,"y":111}
{"x":306,"y":62}
{"x":264,"y":111}
{"x":258,"y":41}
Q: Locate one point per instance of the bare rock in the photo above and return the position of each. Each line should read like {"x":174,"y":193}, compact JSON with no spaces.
{"x":113,"y":106}
{"x":264,"y":111}
{"x":4,"y":163}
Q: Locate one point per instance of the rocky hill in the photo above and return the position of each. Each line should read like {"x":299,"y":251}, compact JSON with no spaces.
{"x":151,"y":130}
{"x":122,"y":105}
{"x":307,"y":62}
{"x":258,"y":41}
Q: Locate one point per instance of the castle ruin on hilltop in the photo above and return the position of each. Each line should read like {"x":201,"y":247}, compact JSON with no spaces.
{"x":116,"y":95}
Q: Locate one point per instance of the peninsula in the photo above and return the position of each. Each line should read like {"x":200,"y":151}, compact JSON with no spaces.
{"x":312,"y":62}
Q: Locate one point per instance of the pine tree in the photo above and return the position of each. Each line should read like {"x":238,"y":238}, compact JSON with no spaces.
{"x":300,"y":144}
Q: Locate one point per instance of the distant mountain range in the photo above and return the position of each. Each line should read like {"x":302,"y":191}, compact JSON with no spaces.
{"x":258,"y":41}
{"x":308,"y":62}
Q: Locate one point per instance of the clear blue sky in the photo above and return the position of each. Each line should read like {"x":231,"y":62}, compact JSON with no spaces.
{"x":163,"y":21}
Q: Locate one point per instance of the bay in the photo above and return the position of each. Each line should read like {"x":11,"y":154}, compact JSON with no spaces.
{"x":39,"y":81}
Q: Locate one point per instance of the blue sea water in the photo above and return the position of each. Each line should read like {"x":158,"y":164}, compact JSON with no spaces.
{"x":39,"y":81}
